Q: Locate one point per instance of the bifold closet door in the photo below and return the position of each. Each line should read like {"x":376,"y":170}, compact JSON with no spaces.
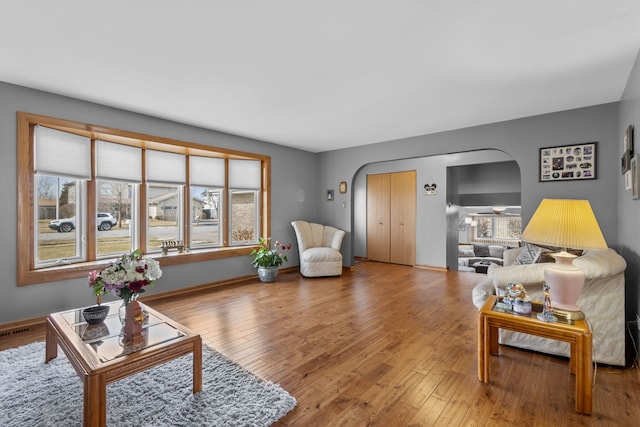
{"x":403,"y":218}
{"x":391,"y":217}
{"x":378,"y":214}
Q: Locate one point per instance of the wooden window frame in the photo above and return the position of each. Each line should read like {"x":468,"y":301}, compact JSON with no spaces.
{"x":27,"y":274}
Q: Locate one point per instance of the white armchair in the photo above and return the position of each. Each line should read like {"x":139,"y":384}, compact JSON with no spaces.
{"x":319,"y":249}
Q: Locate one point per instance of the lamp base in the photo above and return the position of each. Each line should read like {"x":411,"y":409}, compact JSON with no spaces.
{"x":566,"y":315}
{"x":565,"y":282}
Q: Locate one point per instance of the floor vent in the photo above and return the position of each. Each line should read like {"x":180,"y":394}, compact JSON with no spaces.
{"x":14,"y":332}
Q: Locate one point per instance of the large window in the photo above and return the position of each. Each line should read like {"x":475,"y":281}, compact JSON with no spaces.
{"x":497,"y":228}
{"x":98,"y":192}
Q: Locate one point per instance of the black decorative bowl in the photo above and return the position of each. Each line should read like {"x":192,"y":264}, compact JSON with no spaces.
{"x":96,"y":314}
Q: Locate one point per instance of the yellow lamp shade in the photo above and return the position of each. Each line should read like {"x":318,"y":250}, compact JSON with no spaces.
{"x":565,"y":223}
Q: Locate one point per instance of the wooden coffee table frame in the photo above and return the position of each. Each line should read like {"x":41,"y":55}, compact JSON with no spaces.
{"x":577,"y":335}
{"x":96,"y":374}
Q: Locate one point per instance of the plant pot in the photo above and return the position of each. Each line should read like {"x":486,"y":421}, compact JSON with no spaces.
{"x":96,"y":314}
{"x":267,"y":274}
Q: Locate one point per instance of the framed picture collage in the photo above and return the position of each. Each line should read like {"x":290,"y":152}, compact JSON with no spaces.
{"x":568,"y":162}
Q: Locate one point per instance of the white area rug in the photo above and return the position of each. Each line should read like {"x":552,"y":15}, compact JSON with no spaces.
{"x":33,"y":393}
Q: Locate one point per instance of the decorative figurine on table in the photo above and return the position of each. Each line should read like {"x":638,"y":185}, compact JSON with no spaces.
{"x":547,"y":313}
{"x":516,"y":295}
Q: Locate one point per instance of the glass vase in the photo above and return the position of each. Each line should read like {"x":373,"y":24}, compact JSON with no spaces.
{"x":122,"y":311}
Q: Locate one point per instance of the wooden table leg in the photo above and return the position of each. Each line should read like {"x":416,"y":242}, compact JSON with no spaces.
{"x":485,"y":344}
{"x":584,"y":374}
{"x":494,"y":348}
{"x":95,"y":400}
{"x":481,"y":349}
{"x":197,"y":365}
{"x":51,"y":342}
{"x":573,"y":357}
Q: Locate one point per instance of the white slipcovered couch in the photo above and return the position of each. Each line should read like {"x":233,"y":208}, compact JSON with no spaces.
{"x":319,"y":249}
{"x":601,"y":300}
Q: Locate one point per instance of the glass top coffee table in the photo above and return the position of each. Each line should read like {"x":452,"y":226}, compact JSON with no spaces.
{"x":100,"y":356}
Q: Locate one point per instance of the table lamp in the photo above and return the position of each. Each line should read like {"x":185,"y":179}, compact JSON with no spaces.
{"x":565,"y":224}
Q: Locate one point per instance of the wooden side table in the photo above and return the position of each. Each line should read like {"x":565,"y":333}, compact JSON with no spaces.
{"x":578,"y":335}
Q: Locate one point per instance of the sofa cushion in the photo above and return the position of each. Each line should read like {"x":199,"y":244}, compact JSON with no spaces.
{"x":496,"y":251}
{"x":481,"y":250}
{"x":321,"y":255}
{"x":466,"y":250}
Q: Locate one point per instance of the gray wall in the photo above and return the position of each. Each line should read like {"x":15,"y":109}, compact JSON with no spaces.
{"x":294,"y":196}
{"x":485,"y":184}
{"x":629,"y":209}
{"x":520,"y":139}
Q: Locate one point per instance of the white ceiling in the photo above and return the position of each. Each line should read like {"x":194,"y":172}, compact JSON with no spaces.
{"x":322,"y":75}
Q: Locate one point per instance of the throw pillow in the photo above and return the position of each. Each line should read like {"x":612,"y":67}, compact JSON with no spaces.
{"x":496,"y":251}
{"x":545,"y":254}
{"x":466,"y":250}
{"x":529,"y":254}
{"x":481,"y":250}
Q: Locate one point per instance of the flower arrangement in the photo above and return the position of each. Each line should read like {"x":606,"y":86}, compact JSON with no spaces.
{"x":266,"y":257}
{"x":126,"y":276}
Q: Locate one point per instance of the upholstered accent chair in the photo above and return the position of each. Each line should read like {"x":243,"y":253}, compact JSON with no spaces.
{"x":319,"y":249}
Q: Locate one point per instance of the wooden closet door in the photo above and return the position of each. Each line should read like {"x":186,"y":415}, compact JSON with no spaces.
{"x":403,"y":218}
{"x":378,"y":227}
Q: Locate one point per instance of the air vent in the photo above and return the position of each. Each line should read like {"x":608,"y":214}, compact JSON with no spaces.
{"x":15,"y":332}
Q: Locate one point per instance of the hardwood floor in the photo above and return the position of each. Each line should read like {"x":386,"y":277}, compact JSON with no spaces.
{"x":387,"y":345}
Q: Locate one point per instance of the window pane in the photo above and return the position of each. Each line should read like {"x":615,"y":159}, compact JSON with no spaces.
{"x":484,"y":229}
{"x":57,"y":230}
{"x":115,"y":209}
{"x":507,"y":228}
{"x":205,"y":216}
{"x":497,"y":228}
{"x":244,"y":216}
{"x":163,"y":209}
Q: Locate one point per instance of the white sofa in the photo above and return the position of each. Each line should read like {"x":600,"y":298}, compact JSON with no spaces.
{"x":601,"y":300}
{"x":319,"y":249}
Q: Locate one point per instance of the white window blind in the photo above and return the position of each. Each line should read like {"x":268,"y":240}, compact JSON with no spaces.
{"x":62,"y":153}
{"x":206,"y":171}
{"x":245,"y":174}
{"x":166,"y":168}
{"x":118,"y":162}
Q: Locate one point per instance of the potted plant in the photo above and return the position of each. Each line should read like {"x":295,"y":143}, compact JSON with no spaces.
{"x":267,"y":260}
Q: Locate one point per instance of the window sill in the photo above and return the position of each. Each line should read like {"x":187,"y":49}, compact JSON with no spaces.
{"x":73,"y":271}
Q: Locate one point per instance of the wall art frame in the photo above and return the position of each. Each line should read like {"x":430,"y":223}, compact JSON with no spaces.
{"x":627,"y":149}
{"x":628,"y":140}
{"x":569,"y":162}
{"x":635,"y":178}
